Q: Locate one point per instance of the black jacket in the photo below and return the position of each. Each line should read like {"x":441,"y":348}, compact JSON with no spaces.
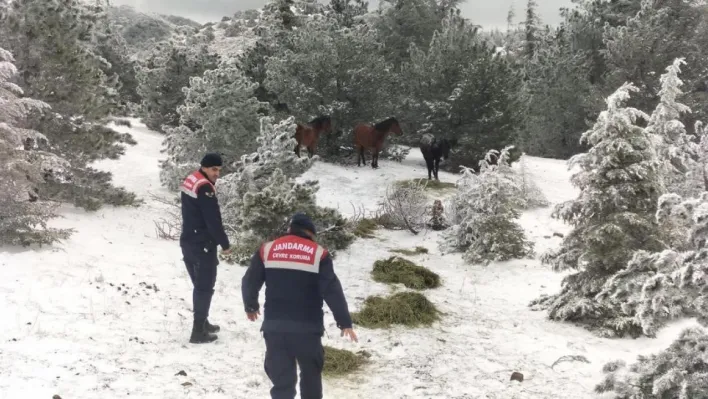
{"x":201,"y":216}
{"x":294,"y":298}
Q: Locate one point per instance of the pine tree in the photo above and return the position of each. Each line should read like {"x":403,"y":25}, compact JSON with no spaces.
{"x":162,"y":77}
{"x":50,"y":40}
{"x":23,"y":218}
{"x":677,"y":149}
{"x":484,"y":210}
{"x":263,"y":193}
{"x":459,"y":88}
{"x":677,"y":372}
{"x":658,"y":287}
{"x":619,"y":182}
{"x":54,"y":45}
{"x":334,"y":87}
{"x":220,"y":113}
{"x":531,"y":28}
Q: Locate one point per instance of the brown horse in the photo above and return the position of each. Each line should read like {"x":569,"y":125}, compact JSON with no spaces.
{"x":371,"y":137}
{"x":308,"y":135}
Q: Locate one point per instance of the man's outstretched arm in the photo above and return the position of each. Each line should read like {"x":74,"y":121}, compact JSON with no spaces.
{"x":252,"y":282}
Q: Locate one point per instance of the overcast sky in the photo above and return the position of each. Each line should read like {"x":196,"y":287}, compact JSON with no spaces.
{"x":488,"y":13}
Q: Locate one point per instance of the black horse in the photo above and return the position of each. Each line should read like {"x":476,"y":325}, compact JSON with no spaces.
{"x":433,"y":150}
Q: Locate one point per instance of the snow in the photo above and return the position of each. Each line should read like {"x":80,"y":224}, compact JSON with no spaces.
{"x":107,"y":313}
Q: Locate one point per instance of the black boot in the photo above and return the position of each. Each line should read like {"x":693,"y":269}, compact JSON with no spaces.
{"x":212,"y":328}
{"x":200,"y":335}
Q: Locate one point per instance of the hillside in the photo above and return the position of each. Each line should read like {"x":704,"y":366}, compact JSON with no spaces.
{"x":107,"y":313}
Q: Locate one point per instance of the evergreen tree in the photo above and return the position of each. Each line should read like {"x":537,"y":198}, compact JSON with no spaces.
{"x":619,"y":184}
{"x":109,"y":44}
{"x":263,"y":193}
{"x":677,"y":372}
{"x":484,"y":210}
{"x":23,"y":217}
{"x":460,"y":89}
{"x":557,"y":98}
{"x":343,"y":73}
{"x":677,"y":150}
{"x":54,"y":45}
{"x":660,"y":32}
{"x":220,"y":113}
{"x":346,"y":11}
{"x":50,"y":40}
{"x":162,"y":77}
{"x":531,"y":27}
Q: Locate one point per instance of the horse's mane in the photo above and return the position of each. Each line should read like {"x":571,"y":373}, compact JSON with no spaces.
{"x":319,"y":121}
{"x":385,"y":124}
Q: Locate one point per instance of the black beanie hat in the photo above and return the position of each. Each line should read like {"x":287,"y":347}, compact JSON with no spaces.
{"x":302,"y":221}
{"x":211,"y":159}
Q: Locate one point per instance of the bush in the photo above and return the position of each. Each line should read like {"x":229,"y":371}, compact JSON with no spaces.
{"x":410,"y":309}
{"x":405,"y":207}
{"x":411,"y":252}
{"x":397,"y":270}
{"x":483,"y":215}
{"x":338,"y":362}
{"x":678,"y":372}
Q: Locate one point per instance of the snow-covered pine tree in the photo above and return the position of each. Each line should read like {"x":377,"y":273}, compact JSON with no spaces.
{"x":658,"y":287}
{"x":163,"y":75}
{"x":620,"y":183}
{"x":483,"y":213}
{"x":53,"y":44}
{"x":263,"y":193}
{"x":698,"y":176}
{"x":677,"y":150}
{"x":220,"y":113}
{"x":319,"y":60}
{"x":677,"y":372}
{"x":23,"y":217}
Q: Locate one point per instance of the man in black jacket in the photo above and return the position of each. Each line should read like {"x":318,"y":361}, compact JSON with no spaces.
{"x":202,"y":231}
{"x":299,"y":275}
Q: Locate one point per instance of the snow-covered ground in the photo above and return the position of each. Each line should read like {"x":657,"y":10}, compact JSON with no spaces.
{"x":107,"y":314}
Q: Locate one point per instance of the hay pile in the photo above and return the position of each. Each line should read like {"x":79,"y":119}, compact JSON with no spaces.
{"x":340,"y":362}
{"x":397,"y":270}
{"x":408,"y":308}
{"x":411,"y":252}
{"x":365,"y":228}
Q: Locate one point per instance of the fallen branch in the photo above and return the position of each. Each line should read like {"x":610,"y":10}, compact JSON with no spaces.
{"x":570,"y":358}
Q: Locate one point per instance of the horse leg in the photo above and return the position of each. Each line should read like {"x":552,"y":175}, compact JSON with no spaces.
{"x":361,"y":157}
{"x":310,"y":151}
{"x":297,"y":150}
{"x":428,"y":165}
{"x":375,"y":159}
{"x":437,"y":167}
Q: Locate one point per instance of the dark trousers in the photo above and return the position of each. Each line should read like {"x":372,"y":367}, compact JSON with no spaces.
{"x":285,"y":351}
{"x":201,"y":265}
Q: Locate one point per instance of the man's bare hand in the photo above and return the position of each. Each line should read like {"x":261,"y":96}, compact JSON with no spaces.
{"x":253,"y":316}
{"x":226,"y":251}
{"x":350,"y":333}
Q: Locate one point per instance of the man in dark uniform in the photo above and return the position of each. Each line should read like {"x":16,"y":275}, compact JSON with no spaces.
{"x":202,"y":231}
{"x":299,"y":275}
